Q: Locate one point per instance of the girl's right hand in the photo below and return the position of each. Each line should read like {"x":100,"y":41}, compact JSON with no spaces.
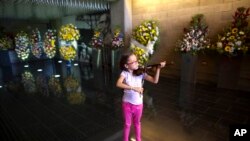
{"x":138,"y":89}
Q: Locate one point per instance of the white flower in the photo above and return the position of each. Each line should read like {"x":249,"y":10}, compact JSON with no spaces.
{"x":157,"y":31}
{"x":199,"y":33}
{"x":150,"y":47}
{"x":219,"y":44}
{"x":230,"y":43}
{"x":238,"y":43}
{"x":241,"y":33}
{"x":202,"y":38}
{"x":231,"y":49}
{"x":155,"y":38}
{"x":195,"y":44}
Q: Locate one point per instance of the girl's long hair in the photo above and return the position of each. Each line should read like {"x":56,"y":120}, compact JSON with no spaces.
{"x":124,"y":60}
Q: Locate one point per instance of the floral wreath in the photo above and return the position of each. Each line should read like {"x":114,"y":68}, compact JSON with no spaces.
{"x":70,"y":83}
{"x":54,"y":86}
{"x":143,"y":42}
{"x":36,"y":44}
{"x":50,"y":43}
{"x":69,"y":32}
{"x":22,"y":45}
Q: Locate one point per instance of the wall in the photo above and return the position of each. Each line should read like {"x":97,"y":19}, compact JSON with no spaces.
{"x":173,"y":16}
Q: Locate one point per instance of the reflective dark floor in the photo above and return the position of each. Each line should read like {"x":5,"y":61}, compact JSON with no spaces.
{"x":57,"y":102}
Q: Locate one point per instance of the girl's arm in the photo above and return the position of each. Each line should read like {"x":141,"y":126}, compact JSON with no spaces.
{"x":122,"y":85}
{"x":155,"y":79}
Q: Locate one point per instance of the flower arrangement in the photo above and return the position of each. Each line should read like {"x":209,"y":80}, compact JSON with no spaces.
{"x":36,"y":44}
{"x":144,"y":41}
{"x":26,"y":76}
{"x":69,"y":32}
{"x":97,"y":40}
{"x":117,"y":40}
{"x":28,"y":82}
{"x":22,"y":45}
{"x":76,"y":98}
{"x":68,"y":52}
{"x":146,"y":32}
{"x":6,"y":43}
{"x":195,"y":37}
{"x":49,"y":43}
{"x":71,"y":84}
{"x":233,"y":41}
{"x":54,"y":86}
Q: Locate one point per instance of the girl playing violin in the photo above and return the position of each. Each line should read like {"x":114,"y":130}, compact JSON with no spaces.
{"x":132,"y":101}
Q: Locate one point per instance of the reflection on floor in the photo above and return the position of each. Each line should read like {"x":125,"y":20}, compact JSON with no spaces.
{"x":81,"y":103}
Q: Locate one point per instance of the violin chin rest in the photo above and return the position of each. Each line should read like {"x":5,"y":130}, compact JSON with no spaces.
{"x":139,"y":71}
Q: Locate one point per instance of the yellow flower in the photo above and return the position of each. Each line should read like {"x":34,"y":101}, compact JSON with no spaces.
{"x":234,"y":30}
{"x":231,"y":38}
{"x":227,"y":48}
{"x":117,"y":31}
{"x":52,"y":43}
{"x":70,"y":37}
{"x":97,"y":34}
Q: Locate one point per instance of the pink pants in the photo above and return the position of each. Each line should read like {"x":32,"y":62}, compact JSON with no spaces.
{"x":132,"y":112}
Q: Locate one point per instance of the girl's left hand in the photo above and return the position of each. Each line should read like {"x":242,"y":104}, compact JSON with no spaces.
{"x":138,"y":89}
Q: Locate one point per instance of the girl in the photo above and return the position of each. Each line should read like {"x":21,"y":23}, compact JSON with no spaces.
{"x":132,"y":103}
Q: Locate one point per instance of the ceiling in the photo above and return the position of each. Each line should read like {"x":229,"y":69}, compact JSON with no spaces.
{"x":50,"y":9}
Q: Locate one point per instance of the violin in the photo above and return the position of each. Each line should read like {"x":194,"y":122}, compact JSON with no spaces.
{"x":148,"y":68}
